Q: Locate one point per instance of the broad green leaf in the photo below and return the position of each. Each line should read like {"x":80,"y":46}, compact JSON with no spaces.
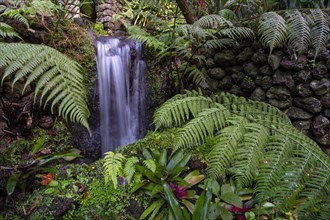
{"x":39,"y":143}
{"x":154,"y":206}
{"x":225,"y":214}
{"x":189,"y":205}
{"x":226,"y":188}
{"x":174,"y":161}
{"x":12,"y":182}
{"x":233,"y":199}
{"x":173,"y":203}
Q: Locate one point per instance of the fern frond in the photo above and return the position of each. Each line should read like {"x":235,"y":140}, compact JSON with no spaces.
{"x":273,"y":165}
{"x":213,"y":22}
{"x":193,"y":73}
{"x":238,"y":33}
{"x":7,"y":31}
{"x":15,"y":14}
{"x":250,"y":153}
{"x":320,"y":30}
{"x":129,"y":168}
{"x":221,"y":43}
{"x":201,"y":127}
{"x":227,"y":14}
{"x":223,"y":152}
{"x":179,"y":109}
{"x":150,"y":164}
{"x":44,"y":65}
{"x":298,"y":31}
{"x":193,"y":31}
{"x":112,"y":167}
{"x":273,"y":30}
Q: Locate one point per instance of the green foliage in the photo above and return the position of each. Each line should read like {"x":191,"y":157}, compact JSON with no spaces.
{"x":58,"y":77}
{"x":298,"y":30}
{"x":112,"y":167}
{"x":7,"y":31}
{"x":98,"y":28}
{"x":288,"y":165}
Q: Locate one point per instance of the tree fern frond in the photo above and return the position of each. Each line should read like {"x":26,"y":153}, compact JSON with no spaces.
{"x":179,"y":109}
{"x":238,"y":33}
{"x":298,"y":31}
{"x":112,"y":167}
{"x":7,"y":31}
{"x":223,"y":152}
{"x":202,"y":126}
{"x":320,"y":31}
{"x":221,"y":43}
{"x":212,"y":22}
{"x":193,"y":31}
{"x":129,"y":168}
{"x":227,"y":14}
{"x":43,"y":64}
{"x":15,"y":14}
{"x":272,"y":167}
{"x":250,"y":153}
{"x":272,"y":30}
{"x":193,"y":73}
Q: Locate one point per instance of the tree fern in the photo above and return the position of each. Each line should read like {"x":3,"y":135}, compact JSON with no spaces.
{"x":55,"y":75}
{"x":129,"y":169}
{"x":272,"y":30}
{"x":7,"y":31}
{"x":319,"y":31}
{"x":258,"y":145}
{"x":213,"y":22}
{"x":298,"y":31}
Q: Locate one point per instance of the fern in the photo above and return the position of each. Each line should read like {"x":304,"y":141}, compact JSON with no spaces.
{"x":7,"y":31}
{"x":112,"y":167}
{"x":150,"y":164}
{"x":55,"y":75}
{"x":257,"y":144}
{"x":320,"y":30}
{"x":298,"y":31}
{"x":272,"y":30}
{"x":213,"y":22}
{"x":129,"y":169}
{"x":238,"y":33}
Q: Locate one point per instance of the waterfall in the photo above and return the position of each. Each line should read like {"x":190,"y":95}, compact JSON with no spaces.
{"x":121,"y":81}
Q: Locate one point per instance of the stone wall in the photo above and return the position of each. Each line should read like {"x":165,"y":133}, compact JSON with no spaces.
{"x":105,"y":9}
{"x":295,"y":85}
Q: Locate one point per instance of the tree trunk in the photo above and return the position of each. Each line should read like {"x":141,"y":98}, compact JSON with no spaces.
{"x":187,"y":14}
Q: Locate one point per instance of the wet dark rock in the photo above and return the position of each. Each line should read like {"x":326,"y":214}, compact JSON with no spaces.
{"x":60,"y":206}
{"x":226,"y":83}
{"x":237,"y":91}
{"x":323,"y":54}
{"x":320,"y":87}
{"x":310,"y":104}
{"x":251,"y":70}
{"x":216,"y":73}
{"x":298,"y":113}
{"x":320,"y":126}
{"x":320,"y":71}
{"x":46,"y":122}
{"x":283,"y":78}
{"x":210,"y":63}
{"x":259,"y":57}
{"x":245,"y":55}
{"x":258,"y":95}
{"x":247,"y":85}
{"x":238,"y":77}
{"x":301,"y":62}
{"x":302,"y":125}
{"x":265,"y":71}
{"x":287,"y":64}
{"x":278,"y":92}
{"x":212,"y":84}
{"x":234,"y":69}
{"x":302,"y":76}
{"x":264,"y":82}
{"x":274,"y":61}
{"x":327,"y":112}
{"x":324,"y":140}
{"x":280,"y":104}
{"x":325,"y":100}
{"x":225,"y":58}
{"x":303,"y":90}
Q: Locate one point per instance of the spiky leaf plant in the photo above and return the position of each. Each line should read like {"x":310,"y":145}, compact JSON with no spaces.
{"x":255,"y":143}
{"x":57,"y":77}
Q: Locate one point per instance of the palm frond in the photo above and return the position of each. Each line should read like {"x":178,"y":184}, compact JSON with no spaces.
{"x":273,"y":30}
{"x":319,"y":31}
{"x":7,"y":31}
{"x":298,"y":31}
{"x":54,"y":74}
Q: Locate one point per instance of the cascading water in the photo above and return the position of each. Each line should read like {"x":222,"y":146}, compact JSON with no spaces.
{"x":121,"y":79}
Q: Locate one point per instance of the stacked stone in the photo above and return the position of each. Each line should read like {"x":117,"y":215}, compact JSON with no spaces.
{"x":72,"y":8}
{"x":105,"y":9}
{"x":296,"y":86}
